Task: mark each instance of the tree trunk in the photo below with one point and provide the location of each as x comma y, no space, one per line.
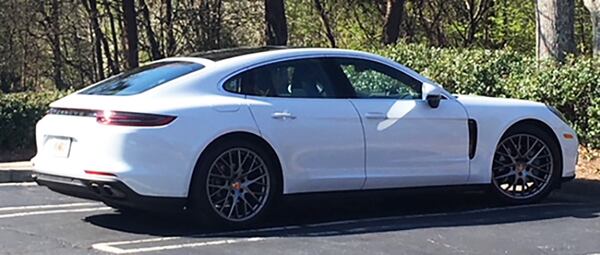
113,33
476,12
171,44
276,24
325,20
555,29
393,18
100,41
154,47
594,7
103,39
56,45
131,33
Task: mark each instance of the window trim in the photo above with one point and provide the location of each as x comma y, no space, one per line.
220,84
230,75
241,71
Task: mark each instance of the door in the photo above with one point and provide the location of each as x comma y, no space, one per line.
408,143
317,136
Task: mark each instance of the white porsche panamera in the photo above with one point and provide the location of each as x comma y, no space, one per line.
225,133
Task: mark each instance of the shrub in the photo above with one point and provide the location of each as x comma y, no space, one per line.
19,113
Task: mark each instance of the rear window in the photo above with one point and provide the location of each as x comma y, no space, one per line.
142,78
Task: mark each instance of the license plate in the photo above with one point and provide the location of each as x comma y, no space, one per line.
58,146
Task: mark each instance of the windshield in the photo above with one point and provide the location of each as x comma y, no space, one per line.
142,78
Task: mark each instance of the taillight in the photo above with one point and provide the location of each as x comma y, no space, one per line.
132,119
72,112
99,173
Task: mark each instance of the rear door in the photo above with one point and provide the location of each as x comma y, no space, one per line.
317,135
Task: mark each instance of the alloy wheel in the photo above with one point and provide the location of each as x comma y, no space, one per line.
522,167
238,184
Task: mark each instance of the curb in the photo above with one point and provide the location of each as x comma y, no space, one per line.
18,171
15,176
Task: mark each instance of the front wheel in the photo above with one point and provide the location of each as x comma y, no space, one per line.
526,165
235,185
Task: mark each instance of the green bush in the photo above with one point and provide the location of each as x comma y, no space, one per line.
19,113
573,87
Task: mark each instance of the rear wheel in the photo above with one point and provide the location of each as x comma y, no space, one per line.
235,184
526,165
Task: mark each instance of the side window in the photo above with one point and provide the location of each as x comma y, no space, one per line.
234,85
375,80
305,78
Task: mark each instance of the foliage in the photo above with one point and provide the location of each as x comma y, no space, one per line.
44,44
18,114
369,82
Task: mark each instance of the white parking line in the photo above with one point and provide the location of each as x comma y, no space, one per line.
18,184
93,209
109,247
35,207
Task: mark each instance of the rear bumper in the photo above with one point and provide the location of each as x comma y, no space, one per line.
152,161
113,193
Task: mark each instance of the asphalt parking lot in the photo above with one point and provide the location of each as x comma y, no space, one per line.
34,220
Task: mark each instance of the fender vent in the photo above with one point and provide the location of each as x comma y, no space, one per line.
472,138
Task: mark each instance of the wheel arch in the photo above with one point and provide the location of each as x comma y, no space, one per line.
541,125
237,135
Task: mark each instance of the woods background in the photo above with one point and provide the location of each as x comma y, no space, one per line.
71,43
542,50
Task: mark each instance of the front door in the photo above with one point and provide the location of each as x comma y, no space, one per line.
408,143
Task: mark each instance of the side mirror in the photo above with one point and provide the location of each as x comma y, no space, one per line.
432,93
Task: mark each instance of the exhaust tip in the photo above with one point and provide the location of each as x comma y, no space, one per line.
107,190
95,188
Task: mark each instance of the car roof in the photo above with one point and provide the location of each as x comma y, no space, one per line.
221,54
238,58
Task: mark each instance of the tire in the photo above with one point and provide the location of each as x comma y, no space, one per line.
225,194
526,166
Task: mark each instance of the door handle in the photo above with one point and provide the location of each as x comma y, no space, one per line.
375,115
283,115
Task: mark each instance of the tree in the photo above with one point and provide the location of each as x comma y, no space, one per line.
51,25
131,33
154,47
276,24
555,29
393,18
171,44
594,7
326,23
100,40
470,14
113,33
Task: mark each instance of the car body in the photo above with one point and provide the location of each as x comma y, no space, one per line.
322,136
